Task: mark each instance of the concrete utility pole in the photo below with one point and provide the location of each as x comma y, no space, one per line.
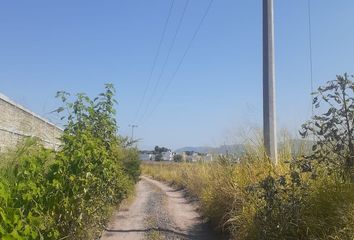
133,126
269,116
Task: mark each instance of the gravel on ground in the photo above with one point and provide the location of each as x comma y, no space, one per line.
158,212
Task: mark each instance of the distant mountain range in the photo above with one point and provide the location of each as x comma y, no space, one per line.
296,145
234,149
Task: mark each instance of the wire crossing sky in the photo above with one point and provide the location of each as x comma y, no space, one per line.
156,85
169,81
211,85
155,59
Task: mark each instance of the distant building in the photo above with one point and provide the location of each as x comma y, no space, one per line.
191,156
208,157
146,155
187,156
153,156
167,156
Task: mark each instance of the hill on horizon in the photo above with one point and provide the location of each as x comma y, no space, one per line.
234,149
297,145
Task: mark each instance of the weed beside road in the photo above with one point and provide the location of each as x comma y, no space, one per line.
68,194
256,200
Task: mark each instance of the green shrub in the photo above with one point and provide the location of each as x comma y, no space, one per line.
68,194
333,130
131,163
23,194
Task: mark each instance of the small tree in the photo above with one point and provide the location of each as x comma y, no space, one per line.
333,130
158,152
158,157
177,158
160,149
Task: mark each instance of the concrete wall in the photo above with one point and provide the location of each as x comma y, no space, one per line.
17,123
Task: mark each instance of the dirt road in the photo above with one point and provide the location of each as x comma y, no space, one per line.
158,212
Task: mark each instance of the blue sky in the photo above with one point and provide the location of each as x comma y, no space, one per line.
78,46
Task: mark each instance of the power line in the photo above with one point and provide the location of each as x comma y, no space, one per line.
310,49
155,59
167,58
183,56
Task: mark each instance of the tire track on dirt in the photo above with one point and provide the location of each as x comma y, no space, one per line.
158,212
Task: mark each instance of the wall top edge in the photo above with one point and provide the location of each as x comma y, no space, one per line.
11,102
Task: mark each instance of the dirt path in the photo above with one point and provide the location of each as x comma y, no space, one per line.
158,212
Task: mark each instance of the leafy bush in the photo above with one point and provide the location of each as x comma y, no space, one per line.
178,158
314,198
68,194
333,131
23,195
131,163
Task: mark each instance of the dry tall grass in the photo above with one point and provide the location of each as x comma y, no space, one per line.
230,197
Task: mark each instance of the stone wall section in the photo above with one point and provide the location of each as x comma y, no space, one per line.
17,123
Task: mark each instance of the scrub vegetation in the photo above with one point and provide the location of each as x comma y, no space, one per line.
305,196
69,193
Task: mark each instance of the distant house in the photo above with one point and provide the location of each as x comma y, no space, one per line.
159,154
187,156
167,156
208,157
146,155
191,156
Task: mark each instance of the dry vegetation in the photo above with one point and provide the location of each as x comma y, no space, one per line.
308,195
249,201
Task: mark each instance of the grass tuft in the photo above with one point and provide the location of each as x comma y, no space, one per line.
247,200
